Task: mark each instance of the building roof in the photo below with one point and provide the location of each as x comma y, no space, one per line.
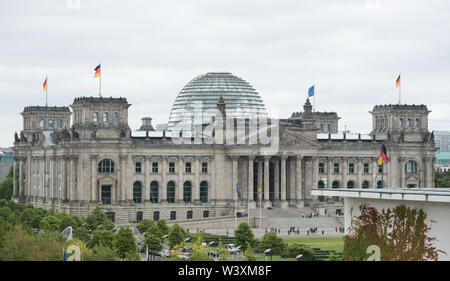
198,99
443,156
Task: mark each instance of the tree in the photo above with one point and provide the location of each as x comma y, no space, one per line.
97,219
144,225
442,179
274,243
294,250
176,235
249,253
244,236
101,237
222,252
124,242
163,227
400,233
102,253
6,187
198,252
50,224
153,242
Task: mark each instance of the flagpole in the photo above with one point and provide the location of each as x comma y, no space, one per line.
46,91
400,89
100,81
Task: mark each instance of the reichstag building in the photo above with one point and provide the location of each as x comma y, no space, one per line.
218,135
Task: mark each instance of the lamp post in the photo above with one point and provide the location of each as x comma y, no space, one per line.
267,252
299,257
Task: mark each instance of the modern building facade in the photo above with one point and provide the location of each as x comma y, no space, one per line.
442,139
99,161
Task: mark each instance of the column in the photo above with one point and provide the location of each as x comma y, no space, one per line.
344,170
359,170
179,192
123,182
266,182
260,174
94,192
15,177
298,182
196,195
250,182
329,172
402,172
163,184
21,185
235,176
284,203
375,173
276,180
128,184
146,188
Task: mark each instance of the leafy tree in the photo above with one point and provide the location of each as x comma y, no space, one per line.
400,233
198,252
274,243
294,250
65,221
222,252
442,179
153,242
50,224
102,253
244,236
5,212
101,237
98,220
163,227
144,225
176,235
132,256
124,242
249,253
6,187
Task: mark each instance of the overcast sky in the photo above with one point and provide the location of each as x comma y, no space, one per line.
352,51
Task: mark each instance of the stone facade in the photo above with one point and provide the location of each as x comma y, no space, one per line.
100,162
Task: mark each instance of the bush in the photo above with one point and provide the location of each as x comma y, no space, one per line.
102,253
294,250
272,241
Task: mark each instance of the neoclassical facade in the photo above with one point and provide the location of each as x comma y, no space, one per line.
74,160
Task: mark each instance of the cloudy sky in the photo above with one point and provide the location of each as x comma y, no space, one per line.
351,50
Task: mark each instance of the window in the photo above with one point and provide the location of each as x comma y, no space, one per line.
173,215
366,168
336,167
50,123
138,167
106,194
351,168
105,117
380,169
188,167
171,167
187,192
111,216
59,124
115,117
401,122
321,127
409,123
417,123
321,184
379,184
170,192
137,192
155,167
350,184
106,166
329,128
321,168
41,124
204,167
156,216
154,192
189,215
139,216
95,117
206,214
204,191
411,167
365,184
335,184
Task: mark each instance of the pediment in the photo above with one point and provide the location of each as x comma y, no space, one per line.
295,138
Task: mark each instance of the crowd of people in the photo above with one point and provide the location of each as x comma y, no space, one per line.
310,215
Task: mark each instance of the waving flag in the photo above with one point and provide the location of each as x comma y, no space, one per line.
383,158
64,255
45,84
259,193
397,82
311,91
97,71
238,191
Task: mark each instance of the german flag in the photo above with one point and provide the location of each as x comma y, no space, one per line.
397,83
383,158
97,71
45,84
259,193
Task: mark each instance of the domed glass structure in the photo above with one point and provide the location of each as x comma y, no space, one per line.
197,101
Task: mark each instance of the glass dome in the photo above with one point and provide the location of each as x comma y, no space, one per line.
197,101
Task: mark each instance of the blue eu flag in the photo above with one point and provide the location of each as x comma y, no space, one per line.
238,191
311,91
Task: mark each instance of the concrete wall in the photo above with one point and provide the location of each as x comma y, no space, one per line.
436,211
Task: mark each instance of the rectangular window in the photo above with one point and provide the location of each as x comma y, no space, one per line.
189,215
139,216
380,169
173,215
206,214
188,167
321,168
106,194
351,168
366,168
171,167
336,167
155,167
138,168
204,167
156,216
111,216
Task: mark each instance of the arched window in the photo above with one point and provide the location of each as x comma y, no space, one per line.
409,123
170,192
59,124
137,192
321,184
50,123
365,184
115,117
411,167
95,117
350,184
335,184
329,128
187,191
106,166
417,123
41,123
105,117
401,122
204,191
154,192
379,184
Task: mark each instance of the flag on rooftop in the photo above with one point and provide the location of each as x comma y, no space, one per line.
311,91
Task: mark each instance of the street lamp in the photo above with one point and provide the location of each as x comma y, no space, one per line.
299,257
267,252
